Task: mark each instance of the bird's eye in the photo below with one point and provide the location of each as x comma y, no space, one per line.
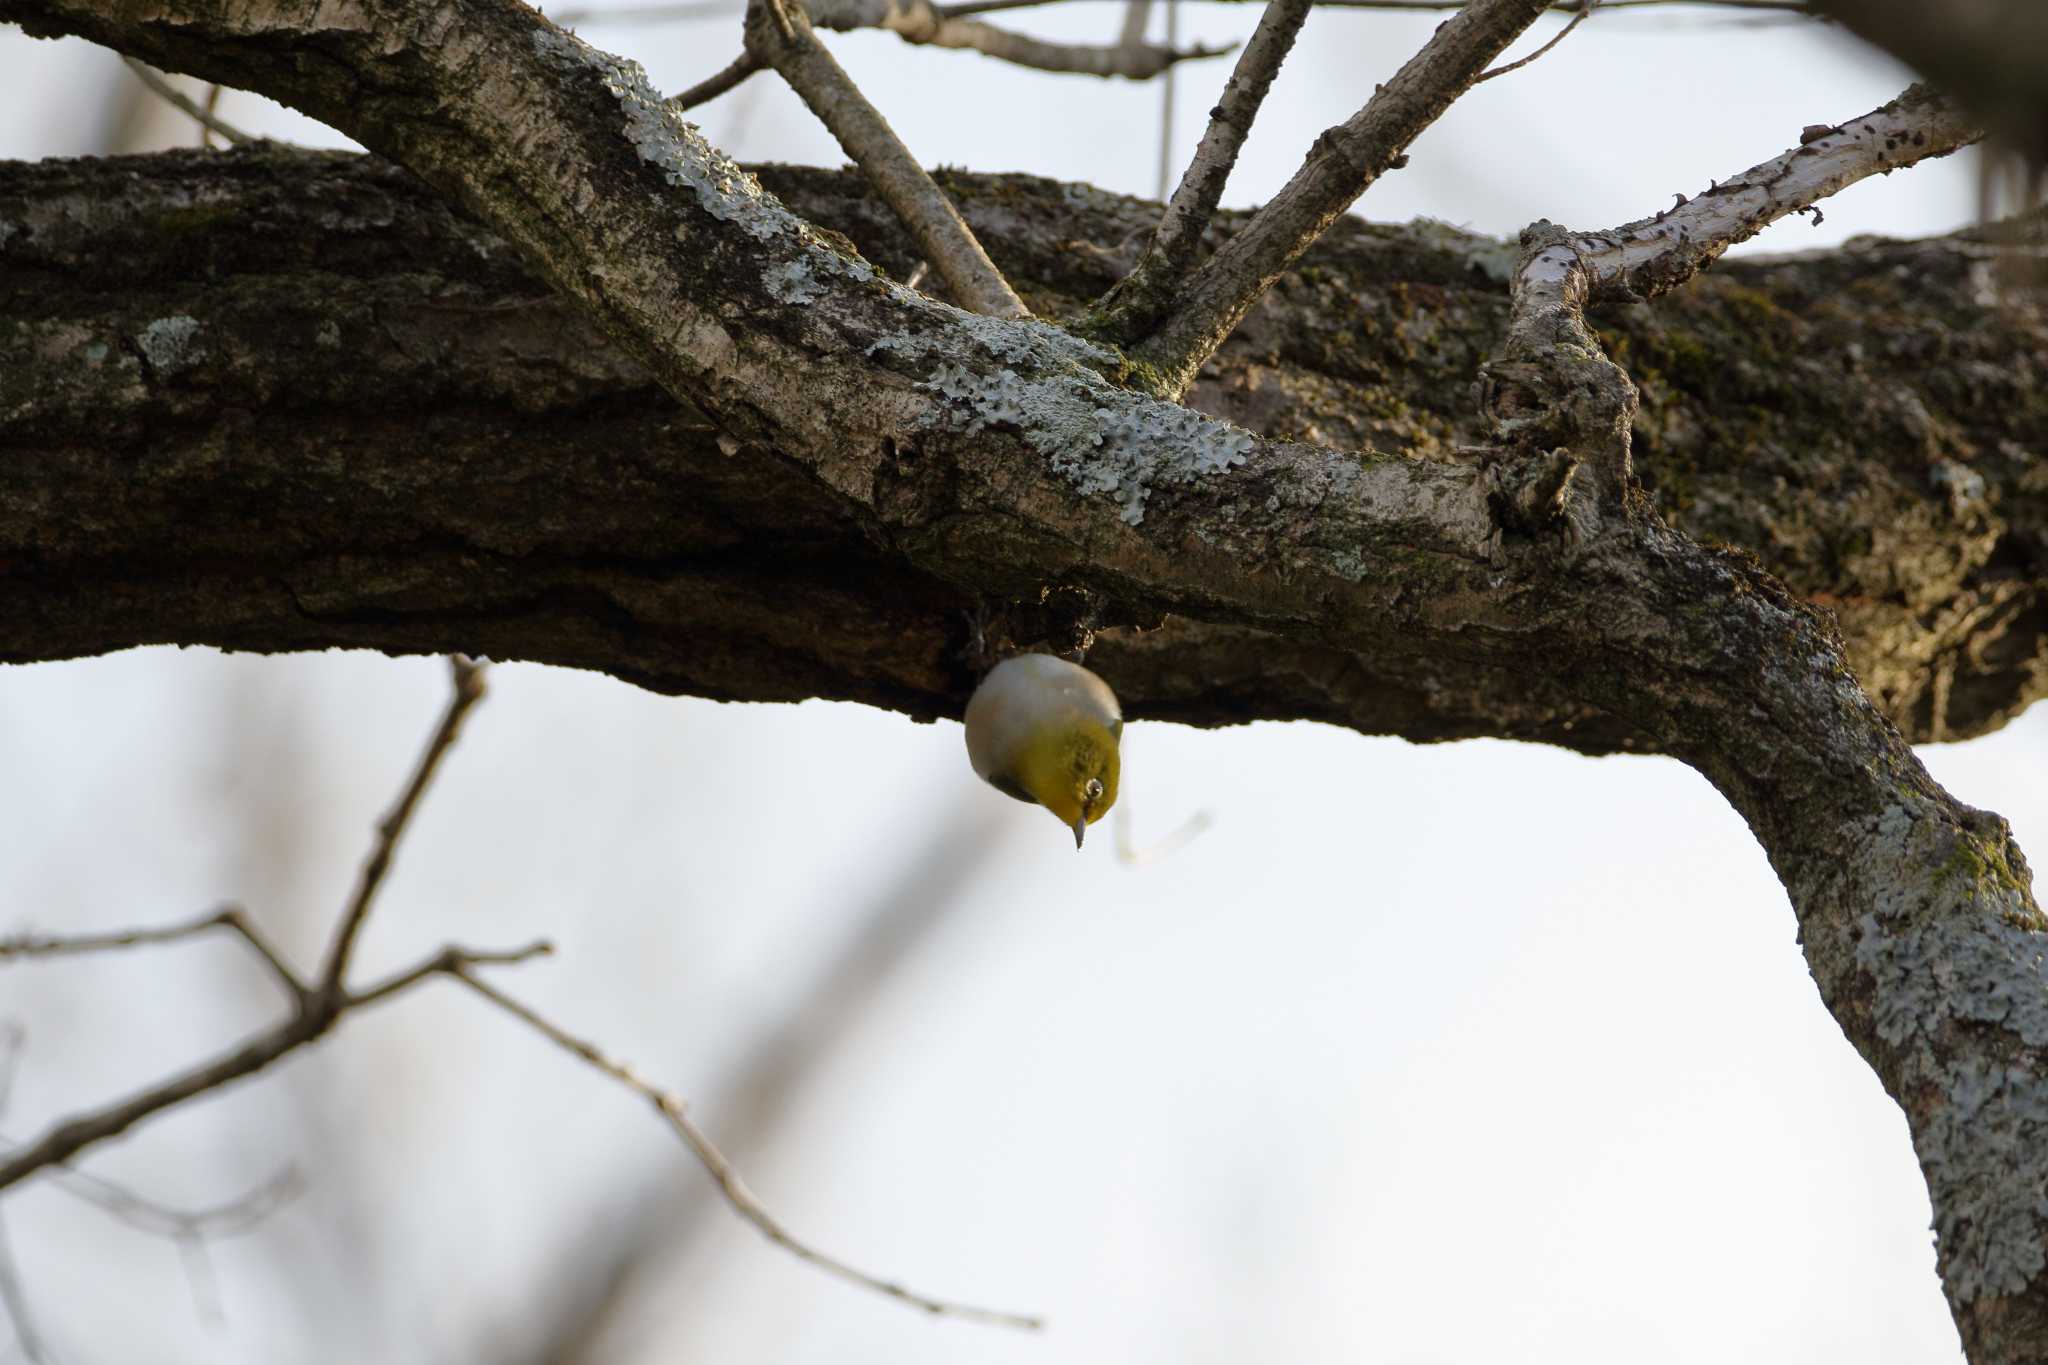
1093,790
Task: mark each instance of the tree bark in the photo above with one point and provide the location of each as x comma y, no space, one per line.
379,430
994,459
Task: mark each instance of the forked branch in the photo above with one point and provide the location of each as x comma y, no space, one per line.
1561,273
316,1010
1136,302
1344,161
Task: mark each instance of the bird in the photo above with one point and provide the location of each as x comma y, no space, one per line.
1046,731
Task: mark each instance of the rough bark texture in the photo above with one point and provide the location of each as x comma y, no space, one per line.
378,429
996,458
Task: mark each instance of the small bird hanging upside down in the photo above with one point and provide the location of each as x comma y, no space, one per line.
1041,729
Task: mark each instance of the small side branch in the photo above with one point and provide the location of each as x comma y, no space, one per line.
920,22
315,1009
1654,255
1785,7
230,917
1550,385
711,87
176,98
1137,300
1343,162
779,34
1586,8
734,1190
468,679
57,1146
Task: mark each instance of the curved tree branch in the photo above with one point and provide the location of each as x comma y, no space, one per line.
942,436
446,455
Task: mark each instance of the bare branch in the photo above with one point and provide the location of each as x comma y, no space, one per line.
646,14
1144,293
920,22
742,1199
1343,162
231,917
711,87
315,1010
12,1037
176,98
1560,273
1653,255
73,1135
448,962
1586,8
468,679
228,1219
779,33
15,1300
1790,7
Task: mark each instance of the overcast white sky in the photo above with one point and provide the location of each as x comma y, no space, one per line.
1450,1054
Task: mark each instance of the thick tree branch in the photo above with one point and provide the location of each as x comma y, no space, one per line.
1340,167
942,434
448,455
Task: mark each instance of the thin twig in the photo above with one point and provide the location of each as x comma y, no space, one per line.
230,1219
1166,101
15,1300
1585,8
315,1010
468,680
1138,299
206,134
742,1200
12,1037
230,917
779,33
1343,162
176,98
645,14
318,1016
711,87
919,22
188,1230
1798,7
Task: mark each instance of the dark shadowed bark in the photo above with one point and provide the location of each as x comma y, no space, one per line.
363,422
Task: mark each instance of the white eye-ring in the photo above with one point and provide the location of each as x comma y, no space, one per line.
1093,789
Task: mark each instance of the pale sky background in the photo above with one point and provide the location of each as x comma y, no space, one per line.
1452,1054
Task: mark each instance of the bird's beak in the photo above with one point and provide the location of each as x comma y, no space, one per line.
1080,828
